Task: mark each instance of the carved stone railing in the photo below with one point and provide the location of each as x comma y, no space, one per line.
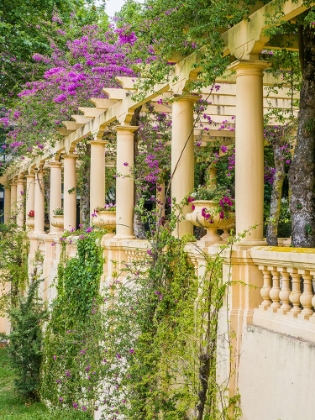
288,291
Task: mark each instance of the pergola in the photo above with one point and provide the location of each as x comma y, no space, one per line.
242,95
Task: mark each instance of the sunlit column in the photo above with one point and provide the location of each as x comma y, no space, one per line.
55,190
125,181
182,168
30,198
97,175
7,204
69,192
13,202
20,217
39,202
249,150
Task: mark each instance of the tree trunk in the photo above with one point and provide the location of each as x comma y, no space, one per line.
302,174
276,194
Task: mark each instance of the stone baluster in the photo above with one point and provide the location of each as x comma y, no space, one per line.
275,290
265,290
20,202
69,192
285,291
296,291
7,204
307,295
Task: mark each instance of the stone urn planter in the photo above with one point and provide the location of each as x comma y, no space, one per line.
58,221
105,219
207,214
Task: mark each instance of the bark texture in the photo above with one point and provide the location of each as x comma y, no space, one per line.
276,194
302,171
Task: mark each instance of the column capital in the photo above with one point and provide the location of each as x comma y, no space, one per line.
126,128
70,156
54,164
190,97
249,67
30,175
98,142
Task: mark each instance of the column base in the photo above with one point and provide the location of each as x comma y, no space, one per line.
120,237
248,244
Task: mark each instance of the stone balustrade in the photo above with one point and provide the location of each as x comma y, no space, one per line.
288,297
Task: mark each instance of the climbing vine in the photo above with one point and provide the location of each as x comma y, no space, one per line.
72,348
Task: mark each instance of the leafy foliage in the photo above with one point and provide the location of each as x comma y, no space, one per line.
25,340
73,347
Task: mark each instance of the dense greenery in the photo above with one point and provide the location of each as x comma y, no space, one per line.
73,344
27,28
25,341
13,407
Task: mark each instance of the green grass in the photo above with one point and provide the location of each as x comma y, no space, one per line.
12,407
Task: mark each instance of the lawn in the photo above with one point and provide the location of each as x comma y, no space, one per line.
14,408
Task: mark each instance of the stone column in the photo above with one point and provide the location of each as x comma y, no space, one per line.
55,190
125,182
20,202
69,192
7,204
97,175
30,192
30,198
39,202
13,202
182,147
249,151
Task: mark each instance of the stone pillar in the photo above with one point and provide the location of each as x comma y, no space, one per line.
97,175
7,204
249,151
30,192
55,191
39,202
13,202
30,198
125,182
20,202
69,192
182,147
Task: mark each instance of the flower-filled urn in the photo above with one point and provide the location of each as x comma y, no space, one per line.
213,212
105,218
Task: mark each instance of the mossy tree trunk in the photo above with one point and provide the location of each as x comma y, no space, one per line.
276,194
302,171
